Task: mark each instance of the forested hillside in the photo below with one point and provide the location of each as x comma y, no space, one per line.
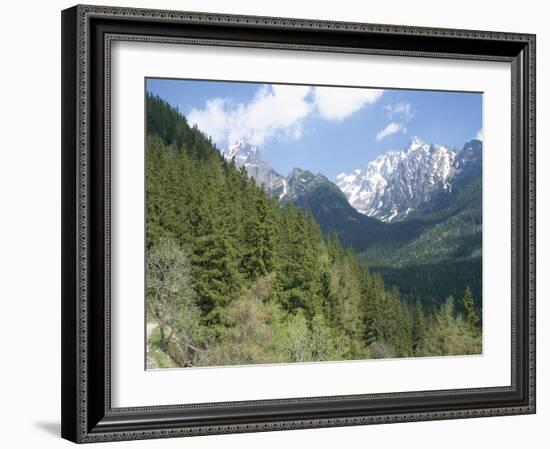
234,277
444,256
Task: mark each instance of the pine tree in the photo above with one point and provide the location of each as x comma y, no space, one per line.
468,303
259,239
418,329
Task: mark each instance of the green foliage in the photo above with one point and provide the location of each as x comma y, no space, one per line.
434,255
472,318
431,255
161,358
450,335
234,277
248,336
433,283
171,300
419,328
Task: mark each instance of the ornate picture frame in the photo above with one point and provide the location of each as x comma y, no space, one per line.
88,33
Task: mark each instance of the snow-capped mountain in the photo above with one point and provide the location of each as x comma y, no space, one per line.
248,156
398,183
394,186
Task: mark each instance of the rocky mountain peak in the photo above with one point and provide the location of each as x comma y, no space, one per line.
242,152
248,156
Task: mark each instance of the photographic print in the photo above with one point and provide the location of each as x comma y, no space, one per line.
296,223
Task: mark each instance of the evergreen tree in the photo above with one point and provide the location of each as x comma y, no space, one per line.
259,238
468,303
418,329
450,334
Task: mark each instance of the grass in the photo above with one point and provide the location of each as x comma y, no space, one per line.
162,359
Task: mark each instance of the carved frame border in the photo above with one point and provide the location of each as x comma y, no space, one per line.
76,424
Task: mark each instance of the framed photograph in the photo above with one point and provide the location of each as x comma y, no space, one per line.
276,224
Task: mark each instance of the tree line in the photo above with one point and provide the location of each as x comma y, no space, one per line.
234,277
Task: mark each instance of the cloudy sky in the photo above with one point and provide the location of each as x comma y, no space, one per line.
323,129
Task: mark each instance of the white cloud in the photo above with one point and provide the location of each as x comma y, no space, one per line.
399,114
479,135
213,119
401,110
392,128
274,111
337,103
278,111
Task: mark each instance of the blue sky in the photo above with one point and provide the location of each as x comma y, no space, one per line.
326,130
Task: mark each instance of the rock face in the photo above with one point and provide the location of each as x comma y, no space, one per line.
248,156
398,183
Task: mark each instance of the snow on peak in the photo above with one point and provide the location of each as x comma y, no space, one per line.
241,149
415,143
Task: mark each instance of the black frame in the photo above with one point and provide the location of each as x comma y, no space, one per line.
87,32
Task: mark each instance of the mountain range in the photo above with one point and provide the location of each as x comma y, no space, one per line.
398,183
396,186
414,214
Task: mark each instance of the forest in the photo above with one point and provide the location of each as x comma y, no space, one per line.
235,278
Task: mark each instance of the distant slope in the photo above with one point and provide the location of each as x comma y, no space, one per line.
332,211
446,254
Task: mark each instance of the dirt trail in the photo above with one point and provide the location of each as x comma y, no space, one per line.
151,363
